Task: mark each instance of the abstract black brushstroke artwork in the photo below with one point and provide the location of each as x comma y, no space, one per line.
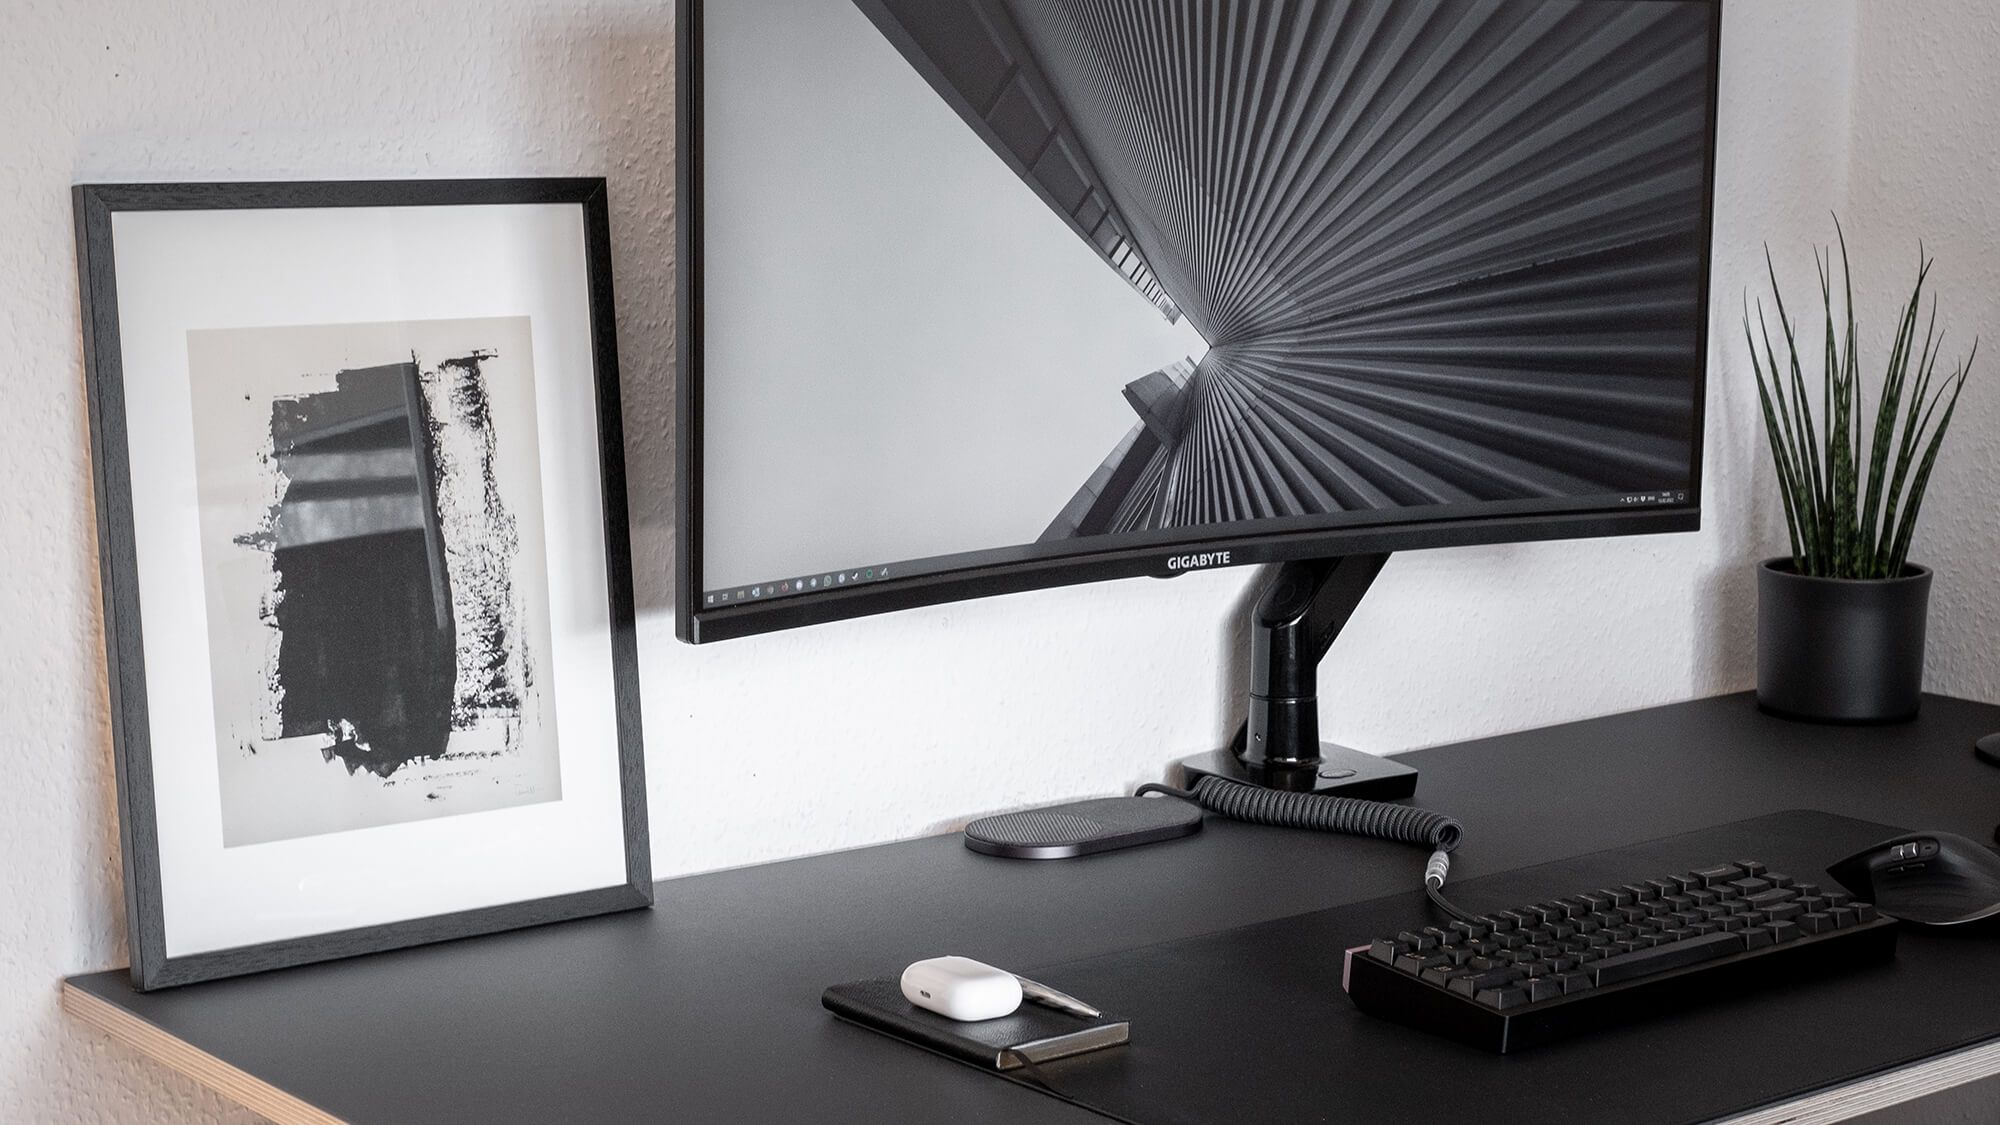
377,614
1440,251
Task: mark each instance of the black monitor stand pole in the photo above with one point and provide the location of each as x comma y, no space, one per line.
1296,620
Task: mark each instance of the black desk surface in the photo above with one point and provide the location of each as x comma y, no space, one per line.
707,1008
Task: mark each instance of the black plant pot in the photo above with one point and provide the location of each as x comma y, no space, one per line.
1840,650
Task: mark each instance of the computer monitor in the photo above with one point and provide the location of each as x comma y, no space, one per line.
978,296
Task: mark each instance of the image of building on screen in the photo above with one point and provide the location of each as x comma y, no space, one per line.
1440,251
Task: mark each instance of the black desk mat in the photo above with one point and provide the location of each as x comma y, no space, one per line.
1251,1024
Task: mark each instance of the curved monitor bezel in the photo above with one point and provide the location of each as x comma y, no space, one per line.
696,623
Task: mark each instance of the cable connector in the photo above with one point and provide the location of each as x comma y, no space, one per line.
1439,866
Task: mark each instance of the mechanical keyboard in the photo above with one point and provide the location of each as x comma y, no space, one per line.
1515,978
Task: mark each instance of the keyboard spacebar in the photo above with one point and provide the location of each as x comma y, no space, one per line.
1660,958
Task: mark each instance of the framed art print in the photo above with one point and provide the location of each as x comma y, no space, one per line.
364,556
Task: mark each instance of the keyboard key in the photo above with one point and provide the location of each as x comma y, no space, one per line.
1865,911
1659,959
1640,891
1415,963
1543,988
1723,874
1575,982
1442,975
1784,912
1751,886
1757,937
1384,950
1816,923
1784,931
1512,997
1473,983
1764,900
1410,940
1778,880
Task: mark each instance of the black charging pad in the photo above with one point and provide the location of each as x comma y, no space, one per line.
1065,831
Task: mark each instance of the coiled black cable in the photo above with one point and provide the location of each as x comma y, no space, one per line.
1321,812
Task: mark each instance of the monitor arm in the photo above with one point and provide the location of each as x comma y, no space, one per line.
1298,615
1296,620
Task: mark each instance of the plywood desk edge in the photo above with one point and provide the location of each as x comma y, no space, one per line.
1893,1087
178,1055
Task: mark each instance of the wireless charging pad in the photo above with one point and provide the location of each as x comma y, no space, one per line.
1066,831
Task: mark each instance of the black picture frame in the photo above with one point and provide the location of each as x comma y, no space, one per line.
95,204
1146,554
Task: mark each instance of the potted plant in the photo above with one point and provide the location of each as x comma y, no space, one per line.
1840,623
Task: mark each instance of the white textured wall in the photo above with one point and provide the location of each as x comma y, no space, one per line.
835,736
1926,169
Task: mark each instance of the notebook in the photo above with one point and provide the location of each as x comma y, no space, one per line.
1032,1034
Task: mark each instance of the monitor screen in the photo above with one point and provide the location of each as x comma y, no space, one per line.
988,289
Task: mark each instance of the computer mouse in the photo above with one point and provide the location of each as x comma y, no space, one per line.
1930,878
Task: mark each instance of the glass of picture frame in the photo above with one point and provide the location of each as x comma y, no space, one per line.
365,566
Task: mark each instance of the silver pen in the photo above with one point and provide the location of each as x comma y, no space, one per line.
1062,1002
